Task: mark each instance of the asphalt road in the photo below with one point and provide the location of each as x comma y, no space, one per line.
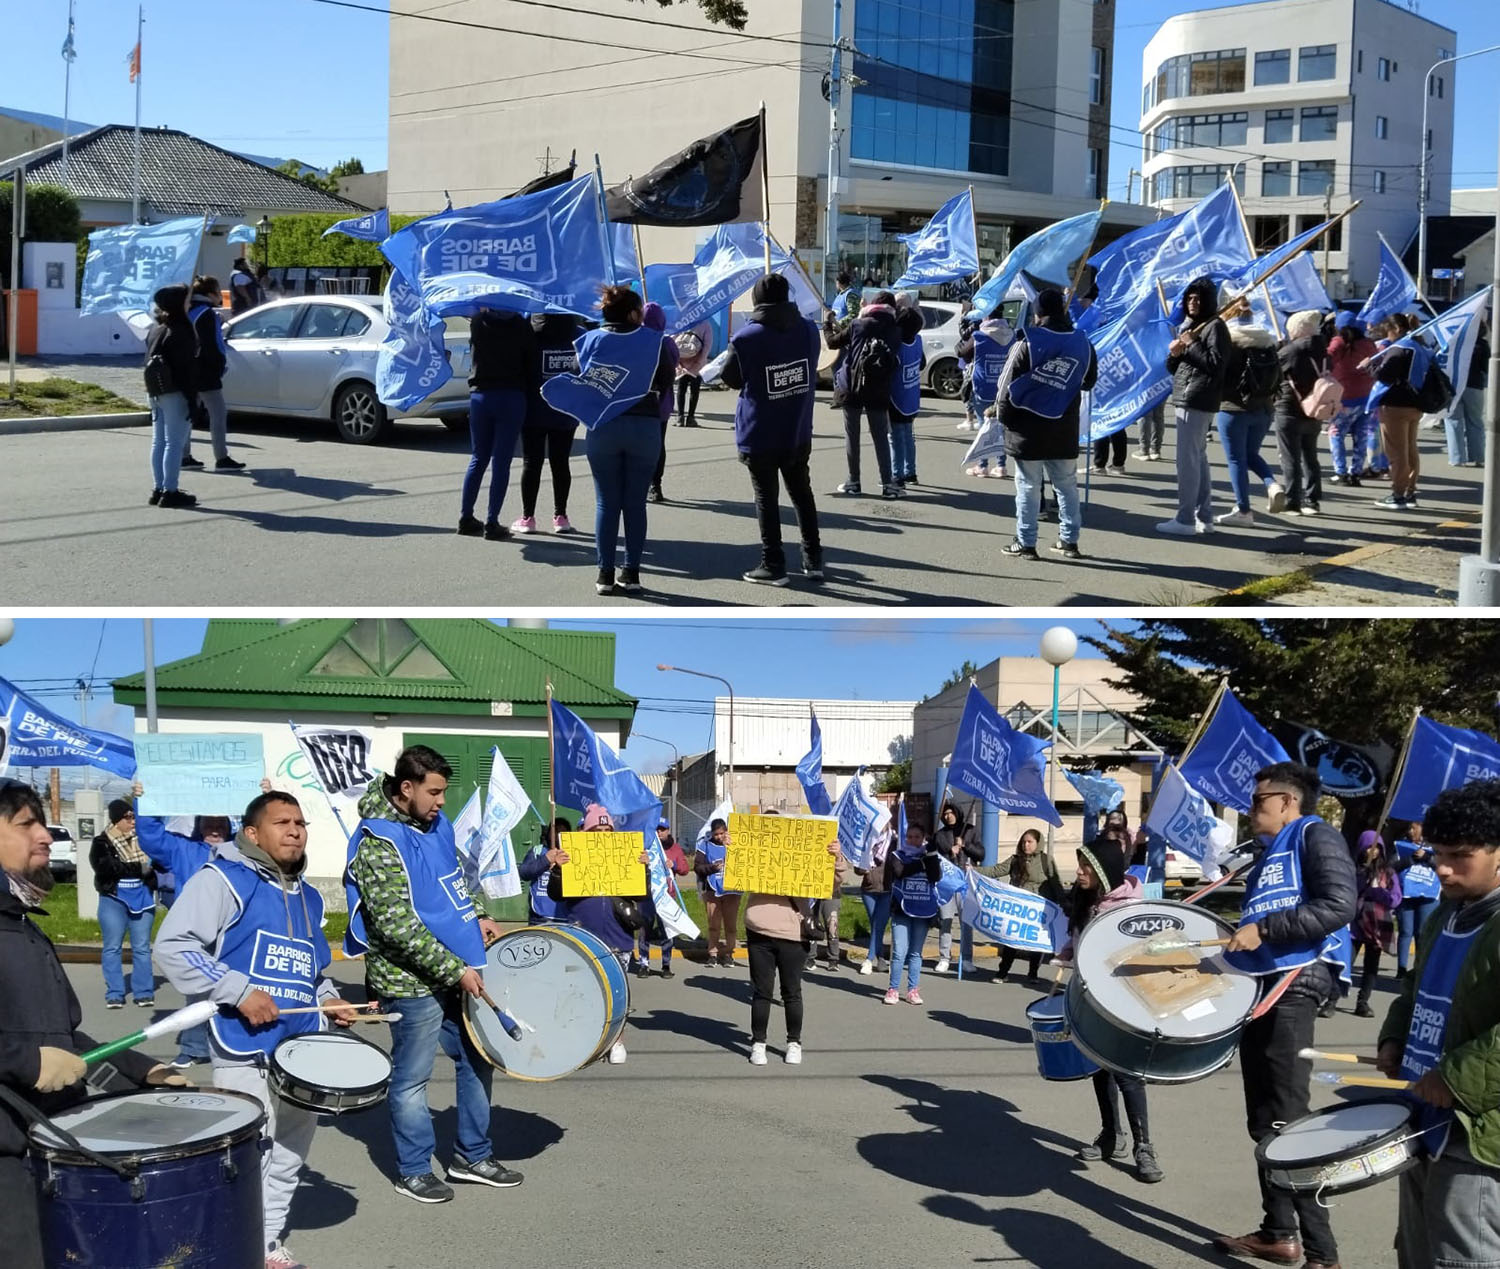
912,1136
316,522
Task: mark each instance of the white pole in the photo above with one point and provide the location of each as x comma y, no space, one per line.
140,74
17,197
67,90
1422,180
831,215
148,636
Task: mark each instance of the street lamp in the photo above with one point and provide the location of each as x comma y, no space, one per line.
7,630
1059,646
730,686
263,228
1422,182
676,767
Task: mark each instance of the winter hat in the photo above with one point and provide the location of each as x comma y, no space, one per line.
1370,838
1107,858
119,809
1304,324
654,316
1051,303
170,300
595,816
771,288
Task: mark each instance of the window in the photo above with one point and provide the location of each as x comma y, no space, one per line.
1333,239
1275,179
1440,87
1199,130
1314,177
1316,61
1382,128
1196,75
1267,232
266,323
1383,68
1096,165
1274,67
1096,77
1429,140
1359,62
1196,181
1377,182
323,321
1278,126
1320,123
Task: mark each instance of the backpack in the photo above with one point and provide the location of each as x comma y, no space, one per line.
1436,393
158,376
1260,370
1324,399
872,371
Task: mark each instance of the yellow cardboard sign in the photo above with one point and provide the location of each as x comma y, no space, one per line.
603,863
780,854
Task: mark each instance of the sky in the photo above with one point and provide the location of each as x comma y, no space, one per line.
870,659
307,80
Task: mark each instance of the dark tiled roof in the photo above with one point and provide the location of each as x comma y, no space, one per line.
180,175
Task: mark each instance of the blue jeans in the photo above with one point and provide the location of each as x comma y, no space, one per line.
1241,434
907,936
1353,439
193,1042
425,1023
1409,918
903,450
878,909
495,418
1464,425
115,922
170,427
1062,474
622,455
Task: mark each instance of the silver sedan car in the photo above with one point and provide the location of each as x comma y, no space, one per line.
314,357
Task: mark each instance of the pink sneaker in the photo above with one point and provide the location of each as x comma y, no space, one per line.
892,996
914,997
523,524
560,524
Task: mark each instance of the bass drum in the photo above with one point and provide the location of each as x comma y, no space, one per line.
565,988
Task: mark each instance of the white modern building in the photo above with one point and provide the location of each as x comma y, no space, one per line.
1009,96
1307,107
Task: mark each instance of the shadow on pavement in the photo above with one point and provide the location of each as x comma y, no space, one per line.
517,1134
326,487
300,522
730,1037
989,1028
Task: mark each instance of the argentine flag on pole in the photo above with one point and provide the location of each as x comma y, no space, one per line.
1394,291
1048,254
944,250
372,227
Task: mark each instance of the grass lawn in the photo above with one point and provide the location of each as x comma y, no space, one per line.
54,397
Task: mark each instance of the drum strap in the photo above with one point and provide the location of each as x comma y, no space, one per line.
126,1170
1276,993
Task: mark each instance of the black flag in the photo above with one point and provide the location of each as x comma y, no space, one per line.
715,181
1346,770
560,177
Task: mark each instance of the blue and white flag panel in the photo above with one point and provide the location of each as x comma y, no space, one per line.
373,226
467,826
412,362
862,819
1099,793
241,233
1457,332
505,806
675,920
810,774
540,252
1441,757
723,269
585,770
1298,287
1232,748
1048,255
705,830
998,764
1257,270
1394,290
1132,376
1013,917
1182,817
127,265
33,736
943,250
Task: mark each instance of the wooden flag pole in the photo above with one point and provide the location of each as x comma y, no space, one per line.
765,188
1390,793
974,222
605,239
1083,260
640,259
552,762
1207,718
1265,291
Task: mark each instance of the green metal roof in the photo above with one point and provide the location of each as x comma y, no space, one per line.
394,665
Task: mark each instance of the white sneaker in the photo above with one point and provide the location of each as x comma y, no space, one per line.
940,968
867,968
1235,517
793,1053
1275,499
1176,528
617,1053
757,1055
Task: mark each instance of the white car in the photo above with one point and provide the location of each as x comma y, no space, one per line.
314,357
943,375
64,861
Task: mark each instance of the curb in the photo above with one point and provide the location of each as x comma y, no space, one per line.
72,423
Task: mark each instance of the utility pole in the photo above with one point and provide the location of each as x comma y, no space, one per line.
1130,185
1327,213
831,212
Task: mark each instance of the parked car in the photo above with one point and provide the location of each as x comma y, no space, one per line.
64,853
944,376
1181,870
314,357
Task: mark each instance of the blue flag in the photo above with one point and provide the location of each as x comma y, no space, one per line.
585,770
810,773
1132,368
1299,288
627,265
861,821
540,252
127,265
412,362
1232,748
995,762
1182,817
1253,273
723,269
1394,290
1099,793
944,250
1047,255
1416,373
1456,333
615,370
1441,757
241,233
33,736
373,226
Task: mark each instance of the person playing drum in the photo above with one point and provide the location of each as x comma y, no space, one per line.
422,935
1102,884
247,932
1442,1031
39,1019
1294,936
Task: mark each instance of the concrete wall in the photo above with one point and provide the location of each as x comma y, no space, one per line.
19,137
367,188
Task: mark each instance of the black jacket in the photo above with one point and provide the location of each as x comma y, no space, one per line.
502,347
968,843
1198,374
1395,370
38,1008
211,359
1032,437
1302,360
1329,893
1479,367
879,323
109,868
177,344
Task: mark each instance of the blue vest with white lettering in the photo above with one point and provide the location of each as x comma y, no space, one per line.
135,894
434,879
1419,881
1429,1025
906,392
542,907
616,369
1059,361
989,366
278,944
779,368
197,311
555,356
715,853
912,891
1275,884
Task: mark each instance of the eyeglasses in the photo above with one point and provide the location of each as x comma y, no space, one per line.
1257,798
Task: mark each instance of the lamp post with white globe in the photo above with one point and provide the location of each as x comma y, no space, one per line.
7,629
1059,646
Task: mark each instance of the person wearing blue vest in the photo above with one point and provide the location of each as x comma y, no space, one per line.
422,936
1420,891
906,392
126,883
722,906
536,870
247,932
1441,1031
1049,369
839,305
213,361
912,870
986,345
773,361
1294,936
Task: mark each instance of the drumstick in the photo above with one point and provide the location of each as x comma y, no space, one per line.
1057,982
181,1020
512,1027
1362,1081
1163,944
326,1008
1322,1055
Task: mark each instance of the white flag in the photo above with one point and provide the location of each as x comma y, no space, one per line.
861,820
341,763
720,812
505,806
466,830
674,918
1185,819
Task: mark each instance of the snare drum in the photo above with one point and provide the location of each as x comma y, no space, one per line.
329,1072
192,1199
566,989
1165,1025
1057,1057
1343,1149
